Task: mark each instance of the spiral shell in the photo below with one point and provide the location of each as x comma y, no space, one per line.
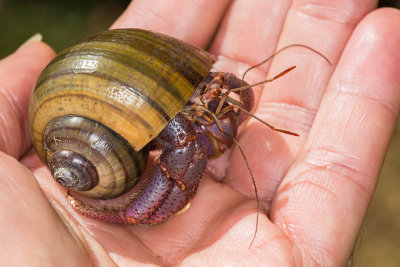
86,156
129,80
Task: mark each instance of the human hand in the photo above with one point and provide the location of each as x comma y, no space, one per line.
315,187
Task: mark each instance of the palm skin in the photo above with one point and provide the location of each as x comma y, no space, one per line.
314,188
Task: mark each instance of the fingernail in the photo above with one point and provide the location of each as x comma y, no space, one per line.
37,37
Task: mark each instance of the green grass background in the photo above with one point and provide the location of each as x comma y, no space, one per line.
64,22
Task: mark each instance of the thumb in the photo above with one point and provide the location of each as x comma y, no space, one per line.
30,229
18,74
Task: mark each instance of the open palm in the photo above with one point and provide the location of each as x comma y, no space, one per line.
314,189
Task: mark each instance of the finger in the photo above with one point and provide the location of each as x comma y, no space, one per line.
30,229
323,199
290,102
18,74
248,34
326,27
190,21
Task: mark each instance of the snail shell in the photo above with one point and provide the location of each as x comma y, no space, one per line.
98,104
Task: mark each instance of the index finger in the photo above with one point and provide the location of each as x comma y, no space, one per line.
191,21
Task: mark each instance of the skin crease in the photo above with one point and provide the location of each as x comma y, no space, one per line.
315,188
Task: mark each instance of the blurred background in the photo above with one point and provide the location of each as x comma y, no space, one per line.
64,22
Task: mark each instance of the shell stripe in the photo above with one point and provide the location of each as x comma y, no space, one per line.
130,59
145,42
132,64
162,113
128,116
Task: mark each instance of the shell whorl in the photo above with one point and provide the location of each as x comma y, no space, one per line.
73,171
78,151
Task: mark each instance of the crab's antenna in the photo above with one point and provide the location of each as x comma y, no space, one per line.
273,128
254,186
216,120
265,81
282,49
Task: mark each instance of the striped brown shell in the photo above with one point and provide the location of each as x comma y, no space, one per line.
129,80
